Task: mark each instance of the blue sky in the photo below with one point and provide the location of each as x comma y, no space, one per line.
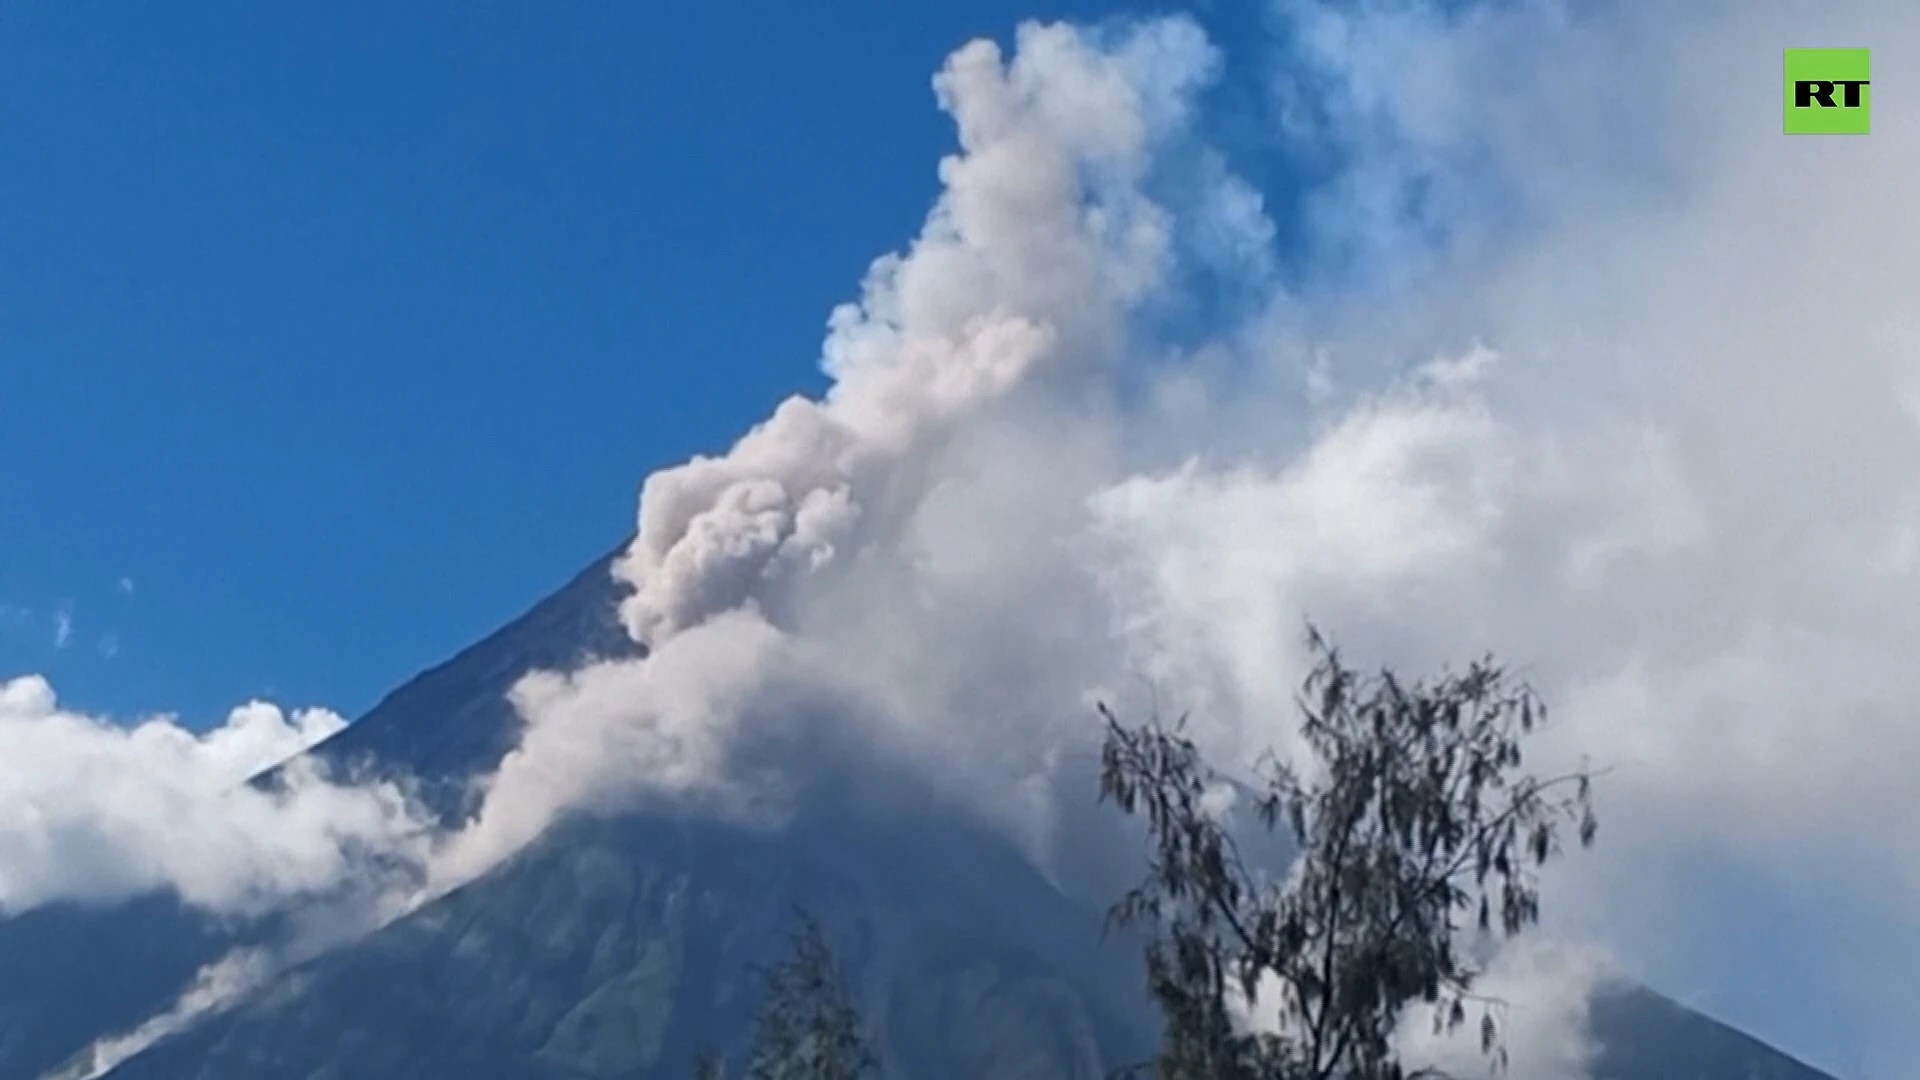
343,332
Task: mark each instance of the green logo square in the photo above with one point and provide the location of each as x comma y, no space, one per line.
1827,92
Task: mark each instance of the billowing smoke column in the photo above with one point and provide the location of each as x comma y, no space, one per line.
1037,247
775,585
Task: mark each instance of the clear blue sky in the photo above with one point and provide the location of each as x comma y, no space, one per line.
343,332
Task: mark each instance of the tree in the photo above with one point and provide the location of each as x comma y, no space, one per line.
807,1028
1412,824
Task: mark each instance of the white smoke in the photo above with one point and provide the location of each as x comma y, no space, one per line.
1537,992
1040,240
215,988
847,549
1678,488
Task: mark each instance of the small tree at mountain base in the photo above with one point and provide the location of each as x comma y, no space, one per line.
807,1028
1413,824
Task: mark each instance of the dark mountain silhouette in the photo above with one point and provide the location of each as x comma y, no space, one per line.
619,947
452,722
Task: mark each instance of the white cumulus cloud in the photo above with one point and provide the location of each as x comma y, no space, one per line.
97,810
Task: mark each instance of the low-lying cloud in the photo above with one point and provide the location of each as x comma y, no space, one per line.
100,811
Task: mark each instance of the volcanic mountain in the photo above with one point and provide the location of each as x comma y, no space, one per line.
622,946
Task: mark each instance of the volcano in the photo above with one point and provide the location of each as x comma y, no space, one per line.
623,946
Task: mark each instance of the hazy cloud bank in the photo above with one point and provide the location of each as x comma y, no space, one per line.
97,810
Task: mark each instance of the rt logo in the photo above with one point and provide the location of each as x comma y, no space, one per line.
1826,92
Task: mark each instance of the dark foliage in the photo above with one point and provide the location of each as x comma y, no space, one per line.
808,1028
1413,825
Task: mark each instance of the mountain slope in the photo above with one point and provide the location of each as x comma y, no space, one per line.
452,722
619,947
1651,1037
70,973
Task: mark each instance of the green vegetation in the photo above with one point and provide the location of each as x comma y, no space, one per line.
1411,823
807,1028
